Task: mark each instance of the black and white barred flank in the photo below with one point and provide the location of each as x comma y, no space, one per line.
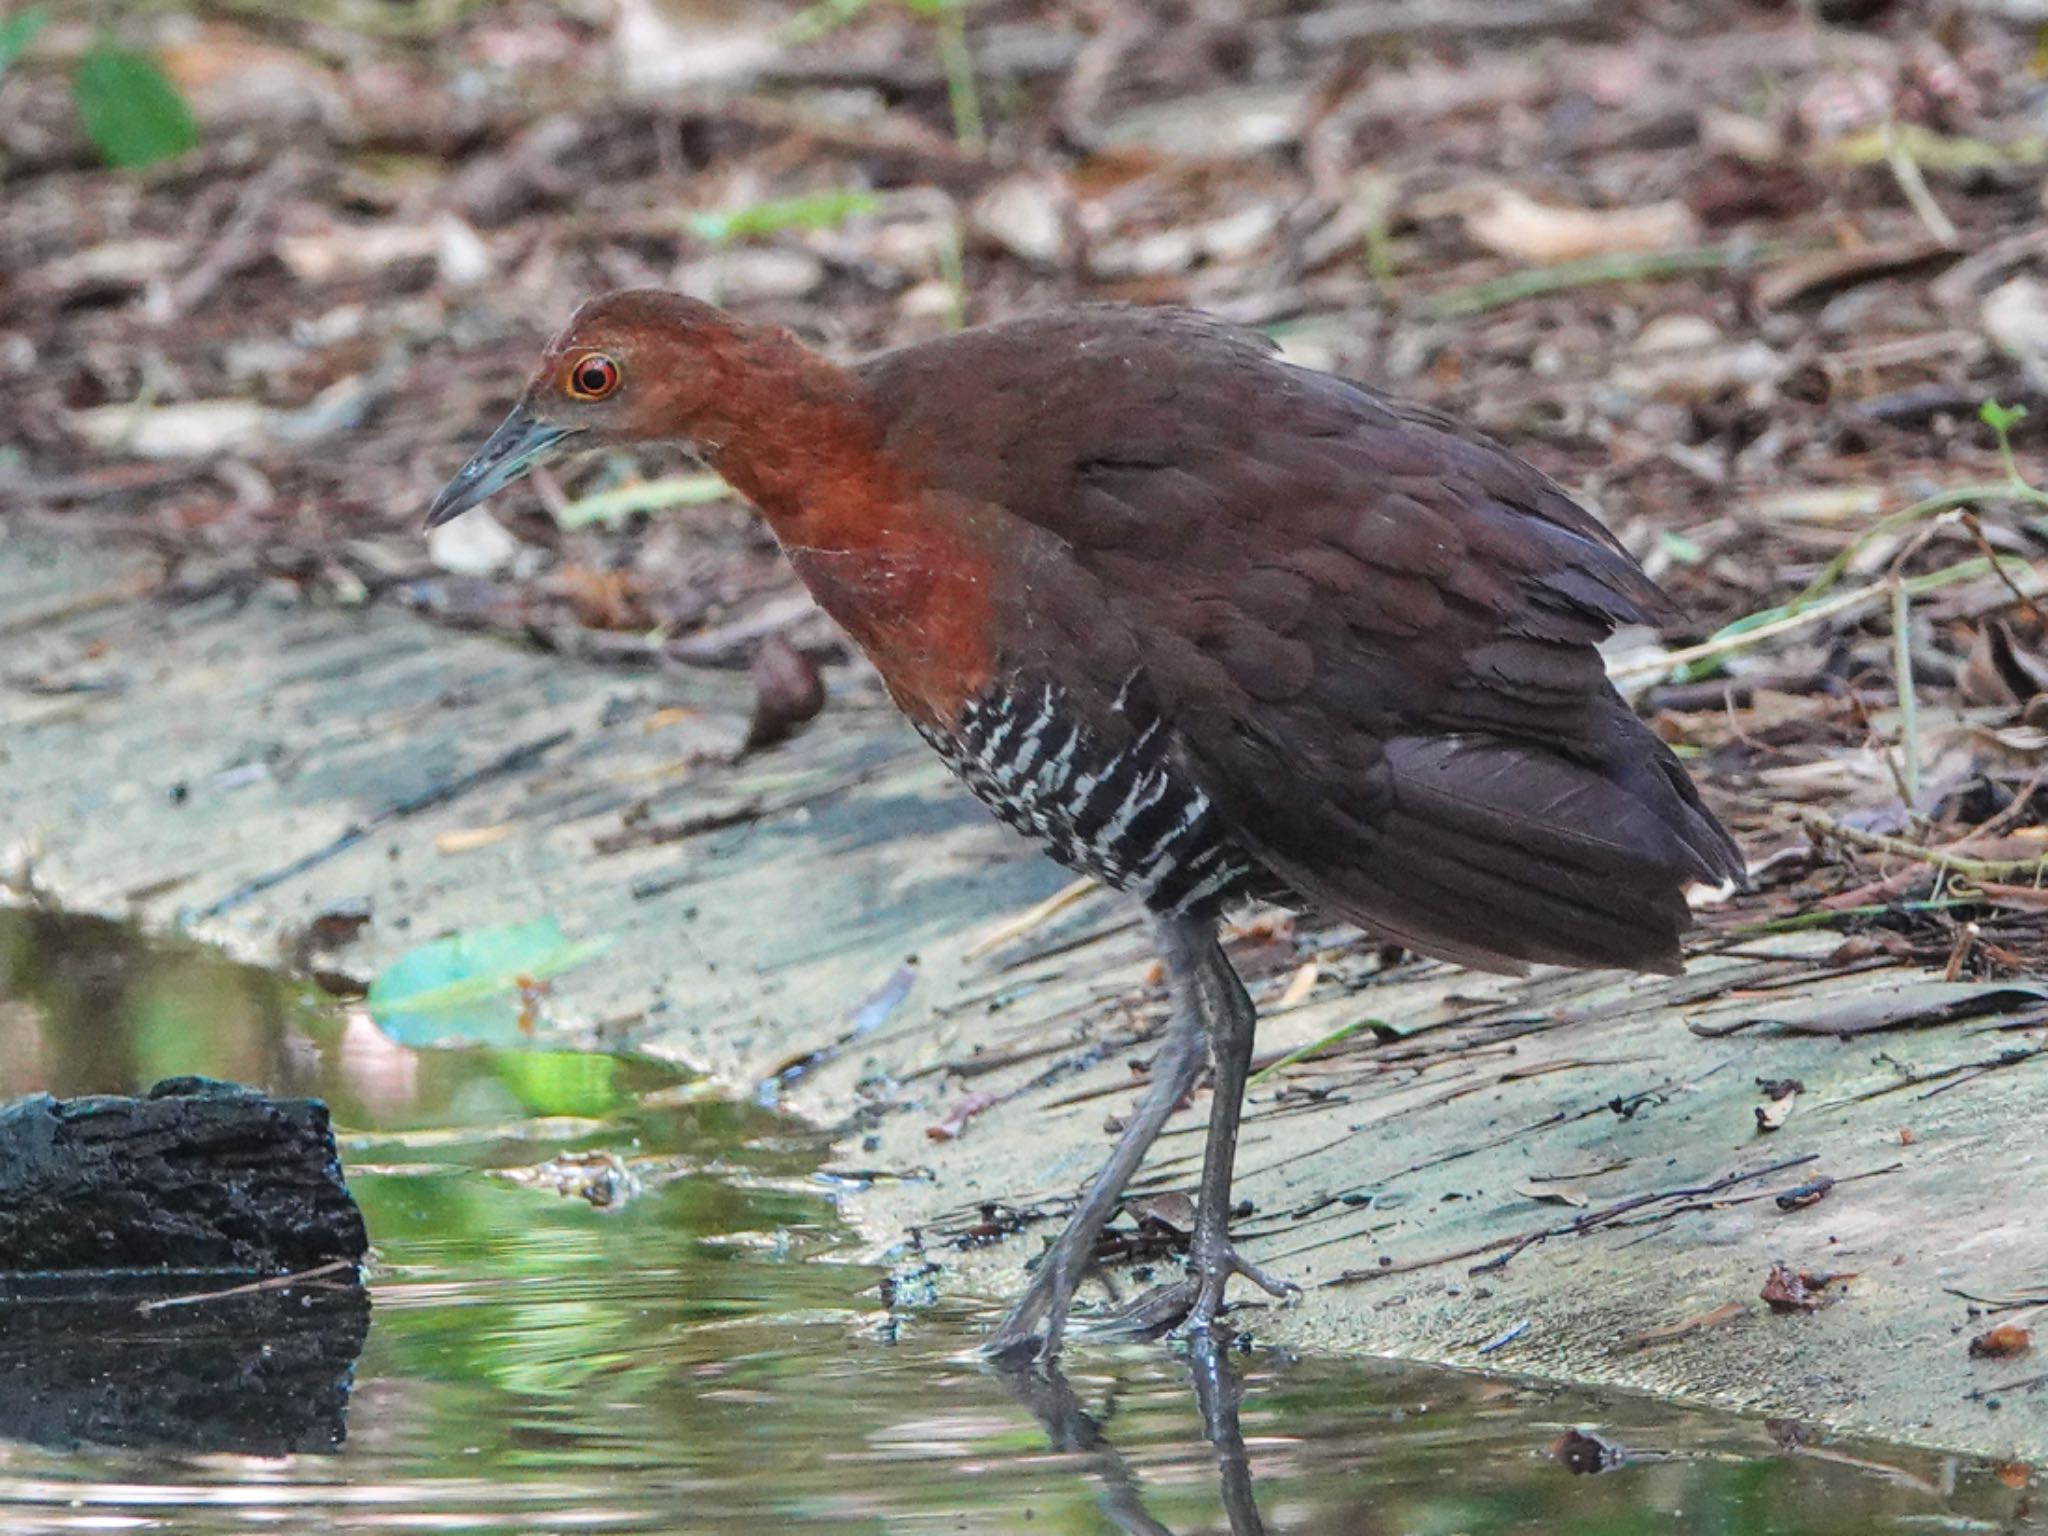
1126,817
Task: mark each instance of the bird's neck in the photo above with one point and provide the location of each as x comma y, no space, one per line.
900,569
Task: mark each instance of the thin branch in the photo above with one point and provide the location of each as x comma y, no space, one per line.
1745,633
1906,172
274,1283
1880,842
1909,700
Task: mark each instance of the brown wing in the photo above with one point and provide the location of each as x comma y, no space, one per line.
1373,631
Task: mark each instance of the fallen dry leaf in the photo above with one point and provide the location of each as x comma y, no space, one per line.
1791,1290
351,250
955,1124
1905,1005
1515,225
1586,1453
232,76
677,714
467,839
2000,671
1772,1114
1552,1194
1173,1211
2002,1342
192,429
2015,317
474,545
1812,1192
1668,1332
1022,215
603,599
788,693
1807,277
1299,985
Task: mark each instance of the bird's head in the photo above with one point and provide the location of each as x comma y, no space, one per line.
637,366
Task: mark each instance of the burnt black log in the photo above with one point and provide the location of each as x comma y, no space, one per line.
263,1373
143,1248
195,1177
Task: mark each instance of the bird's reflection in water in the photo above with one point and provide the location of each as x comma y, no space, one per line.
1072,1430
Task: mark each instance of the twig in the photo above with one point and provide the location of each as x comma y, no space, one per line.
1909,702
654,834
1316,1047
274,1283
1906,172
2024,599
755,808
1591,1221
1824,1185
1745,633
2024,1384
1827,917
1772,621
963,94
2016,1056
1996,1304
1670,1333
642,496
1614,267
1504,1339
1881,842
1032,919
514,761
246,238
70,608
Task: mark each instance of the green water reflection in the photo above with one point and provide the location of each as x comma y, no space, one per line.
703,1359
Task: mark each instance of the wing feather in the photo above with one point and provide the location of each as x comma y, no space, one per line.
1373,631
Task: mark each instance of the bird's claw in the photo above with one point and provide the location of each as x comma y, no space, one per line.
1193,1304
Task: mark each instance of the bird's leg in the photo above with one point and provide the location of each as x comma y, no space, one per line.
1199,971
1217,1390
1060,1273
1040,1387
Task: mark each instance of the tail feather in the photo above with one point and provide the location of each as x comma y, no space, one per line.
1497,854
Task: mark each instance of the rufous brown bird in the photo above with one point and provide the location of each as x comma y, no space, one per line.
1208,625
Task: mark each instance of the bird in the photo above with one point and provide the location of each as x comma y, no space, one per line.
1210,626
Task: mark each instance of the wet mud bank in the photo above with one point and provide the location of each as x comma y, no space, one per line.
1796,1180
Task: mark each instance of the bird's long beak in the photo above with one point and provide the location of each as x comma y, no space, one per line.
521,441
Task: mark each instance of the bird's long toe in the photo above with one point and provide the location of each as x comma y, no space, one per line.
1212,1266
1192,1304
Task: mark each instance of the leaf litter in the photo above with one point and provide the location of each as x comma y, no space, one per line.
1744,278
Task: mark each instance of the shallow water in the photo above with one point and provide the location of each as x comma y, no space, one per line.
702,1358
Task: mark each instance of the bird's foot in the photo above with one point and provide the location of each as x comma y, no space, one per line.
1193,1304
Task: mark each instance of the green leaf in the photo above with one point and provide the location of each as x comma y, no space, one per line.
2001,418
643,496
1336,1036
578,1085
814,21
131,111
18,31
466,987
821,210
1685,551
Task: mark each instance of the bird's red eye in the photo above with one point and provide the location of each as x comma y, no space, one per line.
593,376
